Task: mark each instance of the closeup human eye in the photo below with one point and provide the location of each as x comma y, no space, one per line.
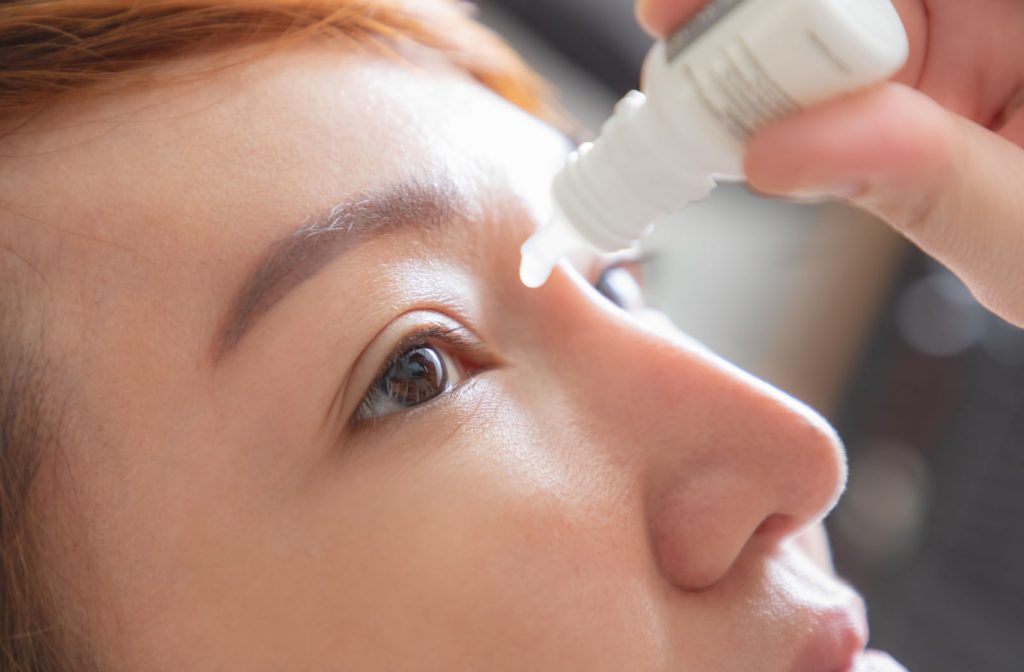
421,368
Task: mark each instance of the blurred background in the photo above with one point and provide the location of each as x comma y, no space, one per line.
924,385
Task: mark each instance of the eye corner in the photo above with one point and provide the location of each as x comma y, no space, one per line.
458,352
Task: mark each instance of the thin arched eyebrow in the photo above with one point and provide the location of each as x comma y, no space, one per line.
324,238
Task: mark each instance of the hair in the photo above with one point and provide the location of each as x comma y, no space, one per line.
56,51
26,642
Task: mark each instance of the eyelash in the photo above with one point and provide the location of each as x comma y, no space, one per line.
455,343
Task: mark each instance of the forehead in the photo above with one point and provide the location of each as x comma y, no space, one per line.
180,186
283,129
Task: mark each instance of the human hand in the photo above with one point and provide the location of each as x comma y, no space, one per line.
937,152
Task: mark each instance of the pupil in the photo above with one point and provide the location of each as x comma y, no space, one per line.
418,375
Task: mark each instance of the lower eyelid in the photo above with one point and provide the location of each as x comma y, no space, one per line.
413,412
454,345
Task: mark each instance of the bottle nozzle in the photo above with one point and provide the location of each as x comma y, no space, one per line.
544,248
535,267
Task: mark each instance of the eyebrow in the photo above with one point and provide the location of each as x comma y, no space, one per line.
323,238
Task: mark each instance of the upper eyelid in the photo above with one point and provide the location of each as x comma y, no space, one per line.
630,260
411,339
408,343
448,343
451,331
640,260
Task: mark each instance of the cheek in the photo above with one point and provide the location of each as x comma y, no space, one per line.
488,548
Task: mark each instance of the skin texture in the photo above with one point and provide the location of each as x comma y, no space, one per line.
603,493
936,153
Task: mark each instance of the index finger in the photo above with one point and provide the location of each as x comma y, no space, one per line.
662,17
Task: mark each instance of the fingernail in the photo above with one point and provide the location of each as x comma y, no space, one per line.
809,197
843,192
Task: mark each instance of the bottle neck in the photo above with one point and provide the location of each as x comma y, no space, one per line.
637,171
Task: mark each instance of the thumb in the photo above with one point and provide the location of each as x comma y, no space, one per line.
951,186
661,17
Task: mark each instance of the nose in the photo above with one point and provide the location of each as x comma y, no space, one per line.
727,464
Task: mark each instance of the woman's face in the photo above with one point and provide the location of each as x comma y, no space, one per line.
316,423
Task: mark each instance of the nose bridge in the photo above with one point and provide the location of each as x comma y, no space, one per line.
727,462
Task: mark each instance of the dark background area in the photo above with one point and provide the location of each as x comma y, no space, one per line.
932,527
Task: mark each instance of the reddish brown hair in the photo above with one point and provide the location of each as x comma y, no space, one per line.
56,51
52,48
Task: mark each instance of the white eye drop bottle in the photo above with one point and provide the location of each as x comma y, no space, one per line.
738,65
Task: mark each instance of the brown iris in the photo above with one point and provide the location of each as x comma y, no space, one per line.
417,375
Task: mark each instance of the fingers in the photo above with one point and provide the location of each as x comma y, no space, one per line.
661,17
951,186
